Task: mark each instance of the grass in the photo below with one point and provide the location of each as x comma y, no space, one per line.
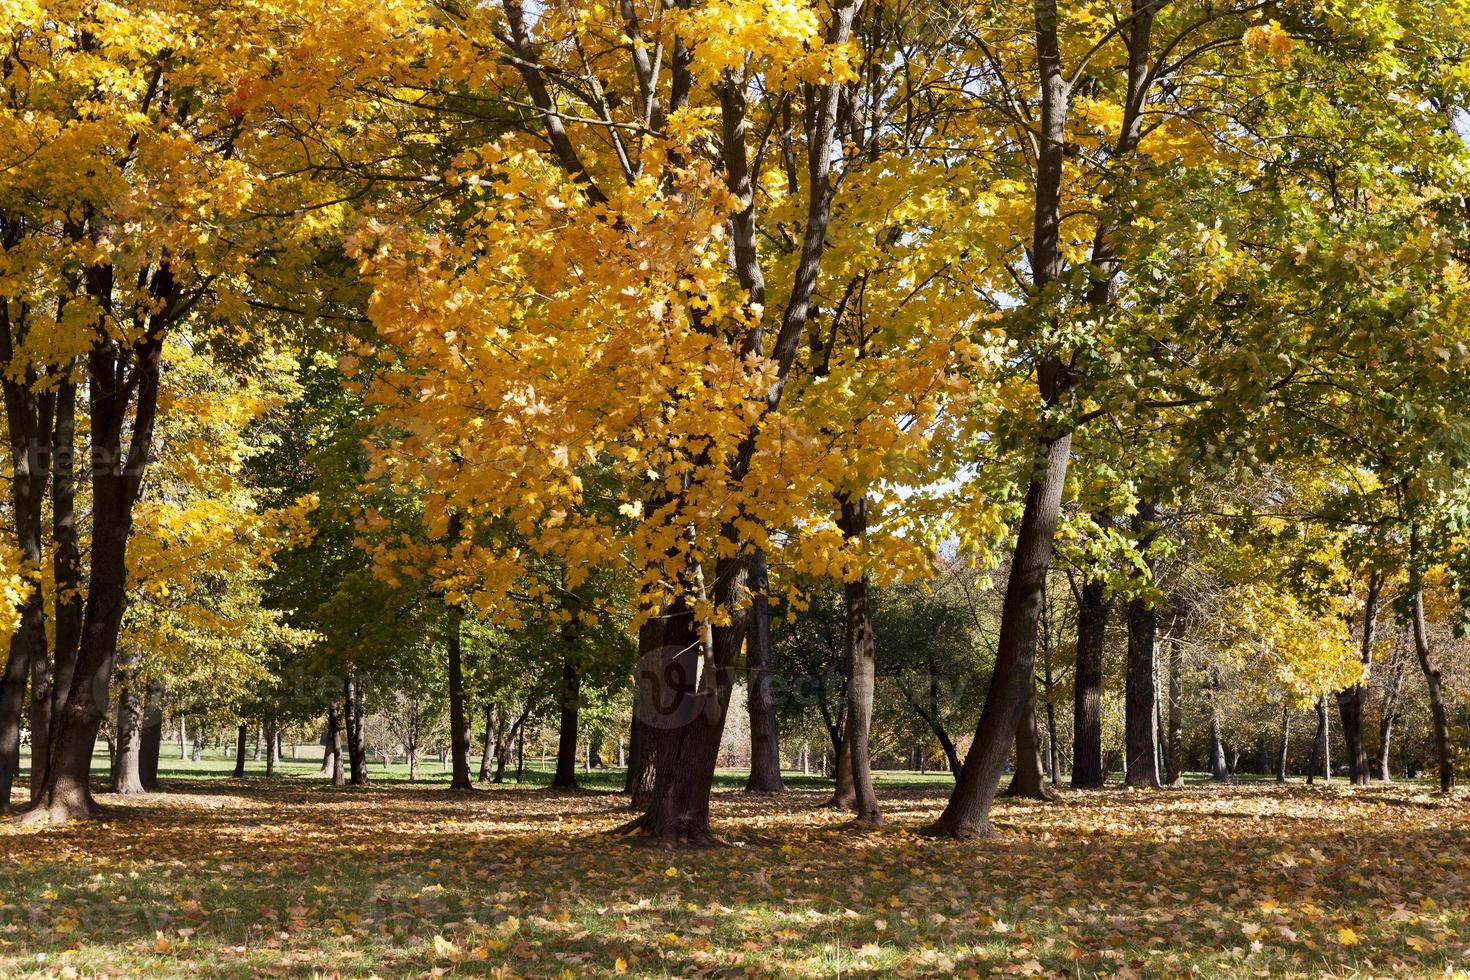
292,877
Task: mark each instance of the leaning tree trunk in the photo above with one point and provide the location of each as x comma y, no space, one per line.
1028,781
1087,752
127,776
861,663
1350,700
1436,695
459,724
968,811
765,742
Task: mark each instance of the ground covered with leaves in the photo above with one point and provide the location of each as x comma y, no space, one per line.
293,879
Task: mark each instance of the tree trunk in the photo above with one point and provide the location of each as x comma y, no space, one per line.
1285,744
1087,753
352,718
1219,771
1390,706
152,738
569,698
861,662
1350,700
127,777
242,735
1174,743
1028,781
273,748
968,811
1053,756
459,723
491,740
765,742
1140,719
642,738
1321,746
1432,679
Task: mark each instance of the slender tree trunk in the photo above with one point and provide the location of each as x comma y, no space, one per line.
1321,746
491,740
861,663
1174,757
1053,755
1140,718
242,735
1219,771
1285,744
459,723
1390,707
127,777
569,701
1087,753
765,742
1350,700
1432,679
352,718
66,564
273,748
1028,782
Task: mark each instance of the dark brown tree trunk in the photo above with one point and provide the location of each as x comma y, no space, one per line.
352,718
930,716
1281,758
66,558
127,777
1432,679
642,738
1092,621
569,697
1219,770
1028,781
1140,719
861,662
242,738
152,738
1350,700
459,722
273,748
765,742
1174,744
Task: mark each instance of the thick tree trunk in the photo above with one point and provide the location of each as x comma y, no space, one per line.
1440,720
642,738
765,742
1028,781
569,698
273,748
844,795
152,738
127,776
459,722
242,737
65,559
1087,753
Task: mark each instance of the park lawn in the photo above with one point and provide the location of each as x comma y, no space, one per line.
292,877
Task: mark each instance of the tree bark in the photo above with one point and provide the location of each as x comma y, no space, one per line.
127,777
1440,720
765,742
1350,700
1140,718
489,754
242,736
273,748
152,738
352,718
568,700
1285,744
1174,756
642,738
1092,621
1219,770
1028,781
1389,708
459,723
65,560
861,664
1321,746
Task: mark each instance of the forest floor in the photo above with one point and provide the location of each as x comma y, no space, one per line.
294,878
